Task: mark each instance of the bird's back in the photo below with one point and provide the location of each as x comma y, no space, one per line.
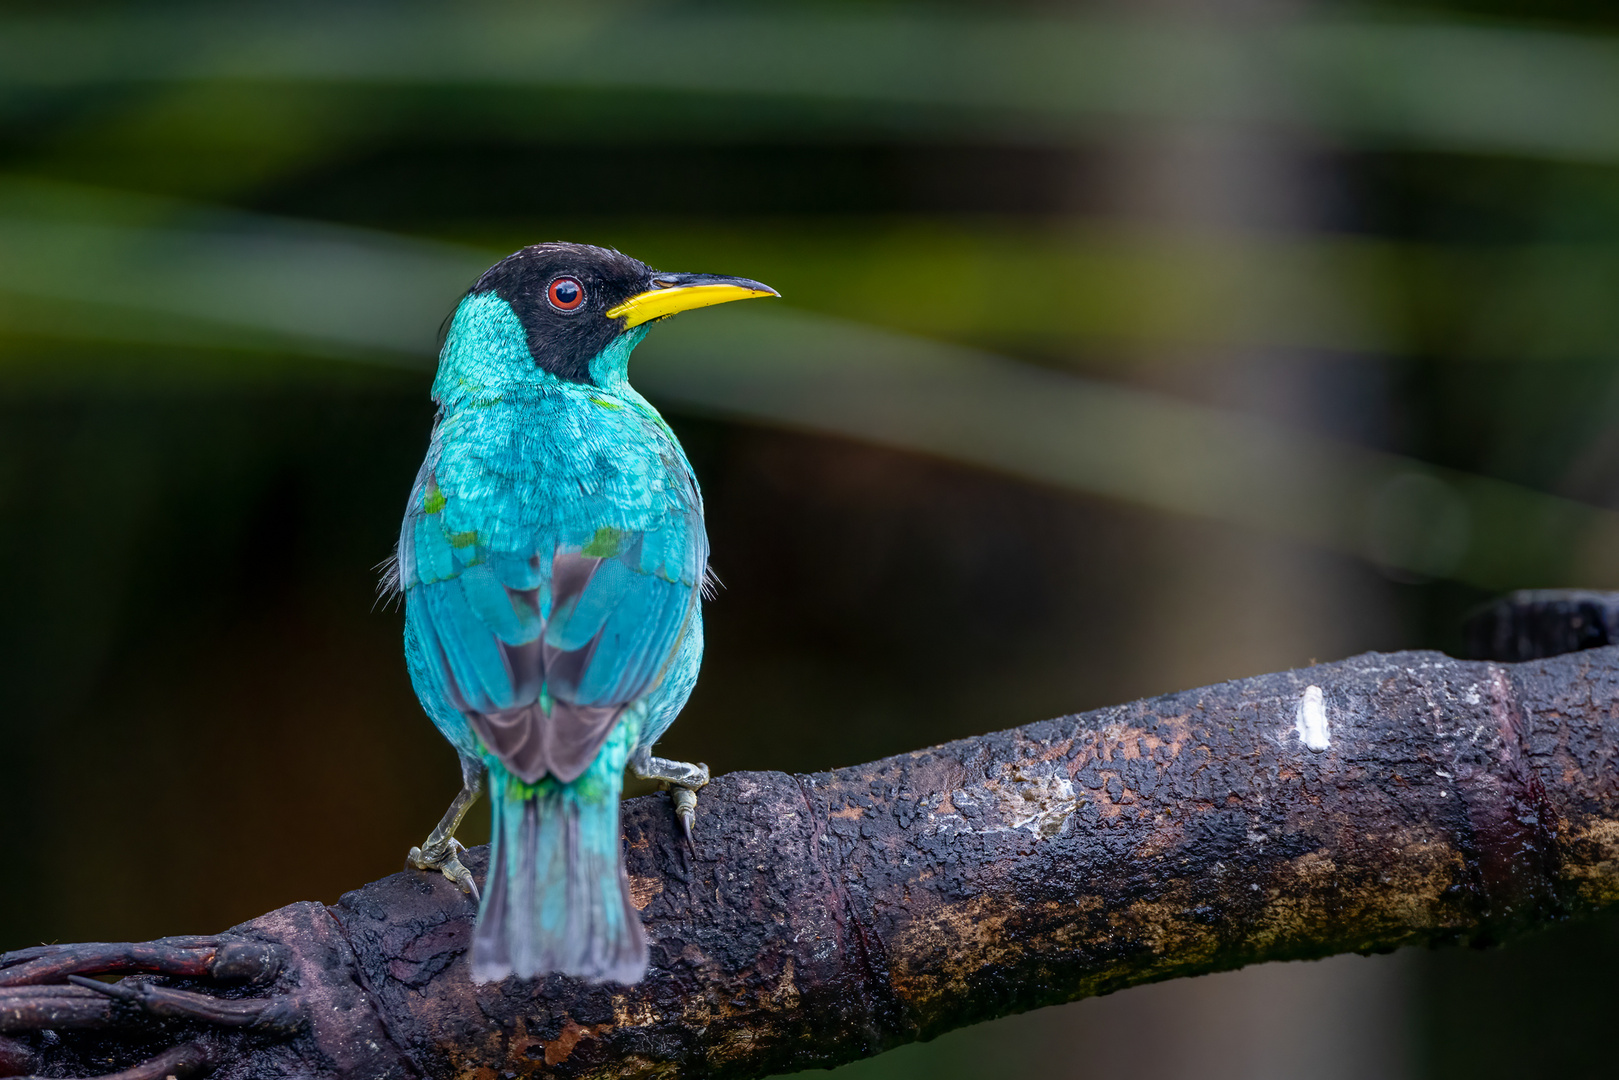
551,556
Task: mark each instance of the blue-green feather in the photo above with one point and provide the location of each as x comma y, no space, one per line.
529,476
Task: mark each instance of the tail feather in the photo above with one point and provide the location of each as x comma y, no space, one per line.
556,898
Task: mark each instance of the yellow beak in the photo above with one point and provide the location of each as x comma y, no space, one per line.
675,293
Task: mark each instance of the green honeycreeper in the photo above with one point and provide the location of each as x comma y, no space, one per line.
553,560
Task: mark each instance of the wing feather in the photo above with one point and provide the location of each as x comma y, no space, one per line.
543,647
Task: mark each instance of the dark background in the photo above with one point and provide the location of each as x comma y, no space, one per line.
1395,239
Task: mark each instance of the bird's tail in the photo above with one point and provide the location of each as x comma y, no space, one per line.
556,898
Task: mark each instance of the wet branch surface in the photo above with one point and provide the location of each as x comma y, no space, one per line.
1407,798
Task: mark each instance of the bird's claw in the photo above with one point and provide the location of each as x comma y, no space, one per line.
680,778
683,791
446,859
686,810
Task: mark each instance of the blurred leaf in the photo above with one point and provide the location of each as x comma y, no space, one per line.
1446,85
1053,286
296,286
1138,447
98,264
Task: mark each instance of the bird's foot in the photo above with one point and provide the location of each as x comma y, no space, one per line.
682,778
445,857
441,851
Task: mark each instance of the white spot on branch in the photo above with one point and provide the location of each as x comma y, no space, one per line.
1312,720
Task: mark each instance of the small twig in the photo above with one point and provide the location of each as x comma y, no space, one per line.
52,1008
198,957
282,1015
45,989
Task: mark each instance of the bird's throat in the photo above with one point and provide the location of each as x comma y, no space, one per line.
610,368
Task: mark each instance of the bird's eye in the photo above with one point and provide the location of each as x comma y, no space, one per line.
565,294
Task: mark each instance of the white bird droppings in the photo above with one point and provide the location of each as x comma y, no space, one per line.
1312,720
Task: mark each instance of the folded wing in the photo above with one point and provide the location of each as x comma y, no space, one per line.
543,648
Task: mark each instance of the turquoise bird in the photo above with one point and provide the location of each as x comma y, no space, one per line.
553,560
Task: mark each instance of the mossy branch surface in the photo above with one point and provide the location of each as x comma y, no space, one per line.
1410,798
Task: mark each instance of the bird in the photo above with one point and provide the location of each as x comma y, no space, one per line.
553,562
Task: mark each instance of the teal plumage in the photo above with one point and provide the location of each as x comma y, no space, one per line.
552,559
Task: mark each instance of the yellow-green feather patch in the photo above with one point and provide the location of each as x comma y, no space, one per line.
605,544
433,499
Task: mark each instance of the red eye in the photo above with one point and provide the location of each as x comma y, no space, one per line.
565,293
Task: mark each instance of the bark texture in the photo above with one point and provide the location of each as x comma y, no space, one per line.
1381,801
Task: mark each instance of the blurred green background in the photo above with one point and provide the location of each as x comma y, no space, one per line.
1126,346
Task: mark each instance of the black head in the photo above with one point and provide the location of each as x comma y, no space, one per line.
574,299
562,293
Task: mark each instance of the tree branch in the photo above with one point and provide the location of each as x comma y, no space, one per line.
1381,801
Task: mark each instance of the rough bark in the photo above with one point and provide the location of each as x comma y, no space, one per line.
828,917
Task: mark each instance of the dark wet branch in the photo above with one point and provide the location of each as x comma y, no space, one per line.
1377,802
1535,623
